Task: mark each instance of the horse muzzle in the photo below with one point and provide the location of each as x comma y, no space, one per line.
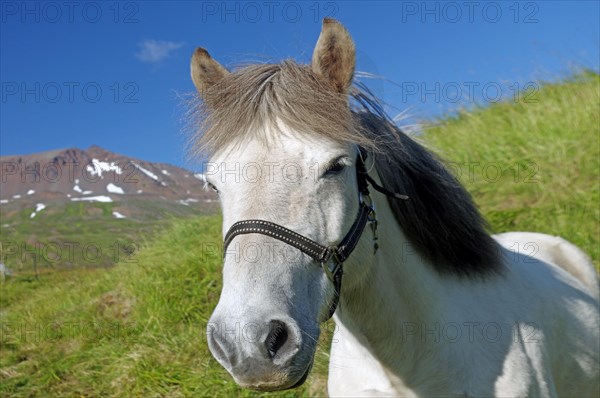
265,356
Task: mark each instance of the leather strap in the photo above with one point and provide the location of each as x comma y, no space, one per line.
308,246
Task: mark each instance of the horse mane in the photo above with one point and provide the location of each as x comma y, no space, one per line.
440,219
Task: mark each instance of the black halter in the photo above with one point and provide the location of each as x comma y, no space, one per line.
322,254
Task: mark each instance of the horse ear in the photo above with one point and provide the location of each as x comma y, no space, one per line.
334,55
205,71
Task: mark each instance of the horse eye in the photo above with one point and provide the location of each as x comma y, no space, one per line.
211,186
335,168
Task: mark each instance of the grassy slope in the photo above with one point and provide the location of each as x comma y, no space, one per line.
137,329
69,235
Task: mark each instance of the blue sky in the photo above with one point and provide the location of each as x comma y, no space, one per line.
114,74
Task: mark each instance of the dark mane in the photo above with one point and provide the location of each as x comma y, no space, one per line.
440,219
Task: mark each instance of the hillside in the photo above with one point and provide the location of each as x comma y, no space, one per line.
71,207
137,329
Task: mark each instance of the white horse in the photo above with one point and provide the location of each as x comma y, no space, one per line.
433,307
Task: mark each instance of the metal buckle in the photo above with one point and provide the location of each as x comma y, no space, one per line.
372,219
332,265
368,202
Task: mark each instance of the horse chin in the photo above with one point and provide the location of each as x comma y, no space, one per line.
304,376
290,384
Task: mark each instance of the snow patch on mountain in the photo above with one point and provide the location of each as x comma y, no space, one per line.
112,188
147,172
118,215
97,168
186,202
76,188
101,198
38,207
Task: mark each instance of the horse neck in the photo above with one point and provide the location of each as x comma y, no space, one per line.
399,290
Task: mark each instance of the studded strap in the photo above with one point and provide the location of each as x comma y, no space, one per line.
283,234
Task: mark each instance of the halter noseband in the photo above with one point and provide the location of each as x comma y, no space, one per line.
322,254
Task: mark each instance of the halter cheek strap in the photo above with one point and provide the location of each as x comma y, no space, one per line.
323,254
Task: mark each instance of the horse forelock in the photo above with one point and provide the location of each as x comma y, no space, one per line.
259,98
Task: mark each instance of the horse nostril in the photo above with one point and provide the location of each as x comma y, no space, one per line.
278,335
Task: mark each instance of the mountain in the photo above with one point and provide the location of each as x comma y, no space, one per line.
93,207
38,182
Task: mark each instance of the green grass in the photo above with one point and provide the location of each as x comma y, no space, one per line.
134,330
138,329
